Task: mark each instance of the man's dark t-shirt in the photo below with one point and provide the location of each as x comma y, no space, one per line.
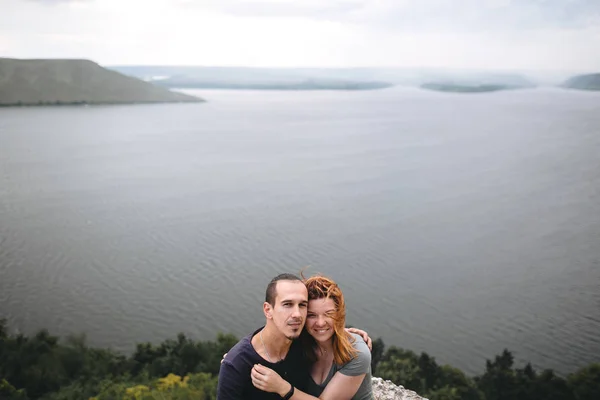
234,375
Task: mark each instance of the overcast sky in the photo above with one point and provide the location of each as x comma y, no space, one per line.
490,34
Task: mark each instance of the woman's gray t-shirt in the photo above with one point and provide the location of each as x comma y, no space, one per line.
361,364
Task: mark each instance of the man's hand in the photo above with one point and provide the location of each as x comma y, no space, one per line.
362,334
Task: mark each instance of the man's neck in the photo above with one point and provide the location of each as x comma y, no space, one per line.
271,344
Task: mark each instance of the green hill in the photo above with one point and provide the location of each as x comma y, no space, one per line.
53,82
583,82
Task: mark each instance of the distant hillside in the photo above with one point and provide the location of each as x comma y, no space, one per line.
44,82
583,82
253,78
268,84
371,77
464,88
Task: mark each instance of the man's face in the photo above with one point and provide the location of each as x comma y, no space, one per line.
289,312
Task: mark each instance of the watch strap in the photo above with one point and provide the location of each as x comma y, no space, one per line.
289,394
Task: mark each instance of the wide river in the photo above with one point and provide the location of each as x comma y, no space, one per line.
458,225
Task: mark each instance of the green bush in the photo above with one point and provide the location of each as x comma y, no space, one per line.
43,367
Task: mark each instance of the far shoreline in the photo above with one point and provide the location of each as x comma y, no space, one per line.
88,104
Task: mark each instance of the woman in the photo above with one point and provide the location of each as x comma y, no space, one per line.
341,362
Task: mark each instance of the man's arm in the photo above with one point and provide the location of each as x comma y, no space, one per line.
231,382
341,387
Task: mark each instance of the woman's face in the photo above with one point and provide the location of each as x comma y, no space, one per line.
319,320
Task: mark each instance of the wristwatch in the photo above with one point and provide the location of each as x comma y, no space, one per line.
289,394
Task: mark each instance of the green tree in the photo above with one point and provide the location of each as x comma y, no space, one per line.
445,393
451,377
585,383
202,386
401,370
498,381
8,391
429,372
377,353
549,386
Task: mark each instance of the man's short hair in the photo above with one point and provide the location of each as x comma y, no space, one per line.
271,293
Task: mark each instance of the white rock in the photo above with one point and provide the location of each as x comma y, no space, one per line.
387,390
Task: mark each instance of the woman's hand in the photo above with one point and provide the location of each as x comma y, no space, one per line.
267,380
362,334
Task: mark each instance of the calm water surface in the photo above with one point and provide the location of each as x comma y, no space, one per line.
455,224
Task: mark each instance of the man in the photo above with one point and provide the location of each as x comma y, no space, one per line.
285,307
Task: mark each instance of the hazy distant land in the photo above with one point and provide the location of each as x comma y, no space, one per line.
584,82
292,84
248,78
64,82
463,88
60,82
325,78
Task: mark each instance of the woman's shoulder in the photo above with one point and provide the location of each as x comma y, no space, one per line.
359,344
363,354
361,362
